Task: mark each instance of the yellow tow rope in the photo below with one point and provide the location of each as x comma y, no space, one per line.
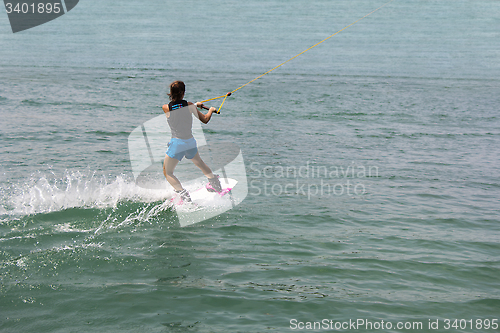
269,71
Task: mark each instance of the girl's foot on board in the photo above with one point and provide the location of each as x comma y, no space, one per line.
214,184
184,195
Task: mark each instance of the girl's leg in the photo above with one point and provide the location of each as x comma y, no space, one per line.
214,180
169,165
203,167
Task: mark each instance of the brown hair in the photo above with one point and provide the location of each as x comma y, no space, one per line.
177,90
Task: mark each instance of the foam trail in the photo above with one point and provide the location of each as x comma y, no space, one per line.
43,194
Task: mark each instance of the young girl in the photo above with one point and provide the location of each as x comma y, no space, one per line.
182,144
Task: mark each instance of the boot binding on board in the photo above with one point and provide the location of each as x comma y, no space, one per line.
214,184
185,197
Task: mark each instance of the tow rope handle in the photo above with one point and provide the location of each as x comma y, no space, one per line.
220,107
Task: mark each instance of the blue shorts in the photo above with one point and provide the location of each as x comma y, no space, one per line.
178,148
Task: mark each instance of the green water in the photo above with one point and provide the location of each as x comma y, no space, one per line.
372,166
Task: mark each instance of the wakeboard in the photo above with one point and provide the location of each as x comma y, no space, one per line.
204,204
